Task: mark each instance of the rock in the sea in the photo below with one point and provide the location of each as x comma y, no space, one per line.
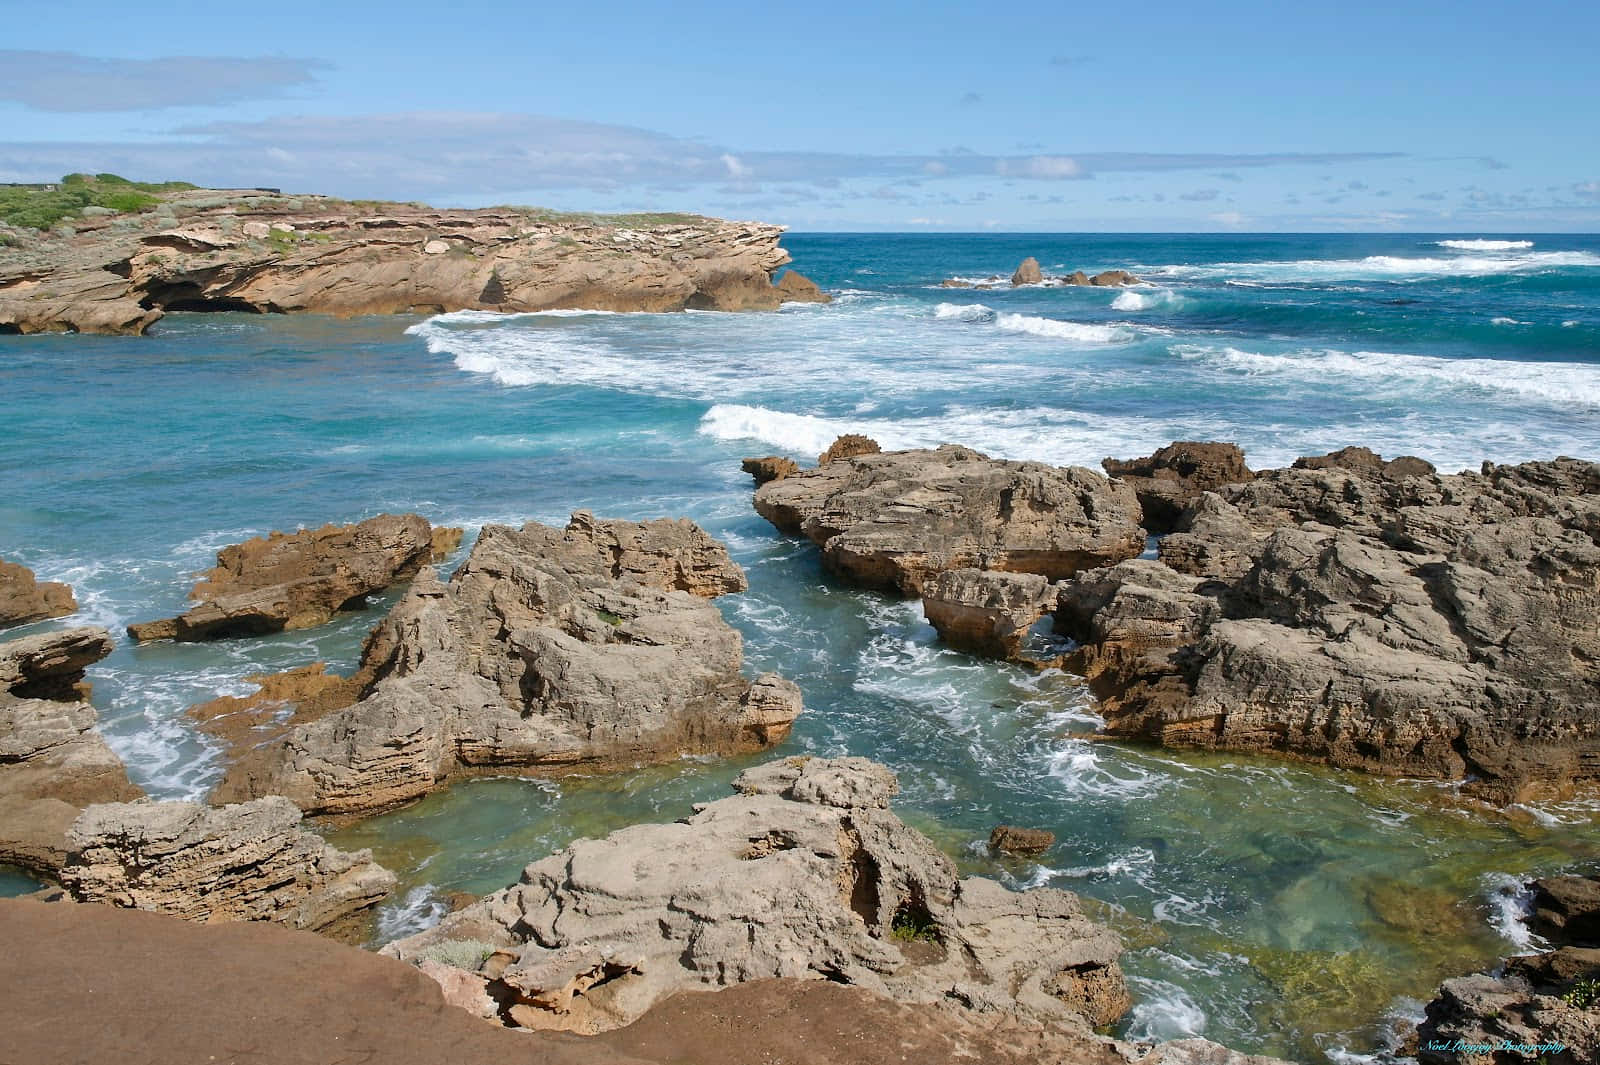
52,761
1028,842
795,287
1113,278
987,612
300,580
893,520
805,875
1027,273
1566,909
249,862
1174,476
281,701
1416,624
848,446
23,598
769,468
582,648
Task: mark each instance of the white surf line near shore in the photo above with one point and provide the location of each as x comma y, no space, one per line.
1381,267
1484,245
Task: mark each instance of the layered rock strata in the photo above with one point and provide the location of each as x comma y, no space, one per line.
247,862
214,250
24,598
588,647
52,761
893,520
300,580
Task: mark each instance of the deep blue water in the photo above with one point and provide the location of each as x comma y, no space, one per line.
1259,899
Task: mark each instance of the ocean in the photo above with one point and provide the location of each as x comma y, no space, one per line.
1276,908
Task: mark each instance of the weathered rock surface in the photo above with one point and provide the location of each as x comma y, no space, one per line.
1011,839
1369,617
1027,273
849,446
251,251
549,649
302,579
769,468
248,862
805,875
281,701
893,520
795,287
1114,278
1175,476
52,761
24,598
1534,1004
987,612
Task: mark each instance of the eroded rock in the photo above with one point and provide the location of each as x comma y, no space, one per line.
987,612
1027,273
806,875
588,647
23,598
1174,476
769,468
1028,842
249,862
848,446
302,579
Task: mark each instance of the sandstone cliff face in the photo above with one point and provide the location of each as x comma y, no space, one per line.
804,875
583,647
212,250
23,598
1370,615
300,580
52,761
894,519
249,862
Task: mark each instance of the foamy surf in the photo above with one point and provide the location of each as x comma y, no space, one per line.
1484,245
1385,267
1079,332
1133,299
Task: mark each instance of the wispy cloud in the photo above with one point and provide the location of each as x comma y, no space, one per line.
65,82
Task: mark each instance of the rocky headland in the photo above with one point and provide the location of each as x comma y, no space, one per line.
186,249
549,649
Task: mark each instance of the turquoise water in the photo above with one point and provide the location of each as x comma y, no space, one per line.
1276,908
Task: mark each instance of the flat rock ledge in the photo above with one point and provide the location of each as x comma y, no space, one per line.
246,862
300,580
585,648
23,598
52,760
1370,615
220,250
892,520
1535,1007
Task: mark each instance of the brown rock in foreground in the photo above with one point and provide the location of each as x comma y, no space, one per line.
52,761
22,598
1010,839
222,250
1175,476
589,647
300,580
893,520
249,862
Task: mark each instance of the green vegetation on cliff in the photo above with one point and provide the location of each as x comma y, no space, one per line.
42,206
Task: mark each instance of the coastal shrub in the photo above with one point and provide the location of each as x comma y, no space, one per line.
913,924
42,206
1584,994
468,954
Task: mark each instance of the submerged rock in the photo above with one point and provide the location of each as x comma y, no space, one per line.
588,647
23,598
1029,842
250,862
893,520
300,580
804,875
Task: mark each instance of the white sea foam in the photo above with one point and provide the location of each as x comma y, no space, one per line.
1086,771
1133,299
801,433
1162,1011
417,911
964,312
1502,320
1055,329
1484,245
1381,267
1556,382
1510,903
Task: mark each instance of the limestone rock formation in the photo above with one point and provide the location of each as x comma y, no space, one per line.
893,520
52,761
1385,620
587,647
300,580
795,287
249,862
1539,1007
769,468
281,701
1175,476
1027,273
258,252
848,446
987,612
23,598
1029,842
804,875
1113,278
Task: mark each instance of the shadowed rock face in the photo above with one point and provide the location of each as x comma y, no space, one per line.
216,250
1176,475
893,520
300,580
22,598
592,646
249,862
805,874
52,761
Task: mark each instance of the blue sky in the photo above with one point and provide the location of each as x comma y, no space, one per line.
1469,116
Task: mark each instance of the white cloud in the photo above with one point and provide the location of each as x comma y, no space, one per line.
1229,218
1043,167
1589,190
736,170
66,82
